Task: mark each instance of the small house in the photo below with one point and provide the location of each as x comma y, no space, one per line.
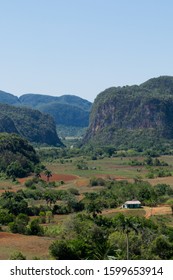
132,204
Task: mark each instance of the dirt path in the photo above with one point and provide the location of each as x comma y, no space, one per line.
160,210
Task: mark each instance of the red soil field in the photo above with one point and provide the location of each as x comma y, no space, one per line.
53,178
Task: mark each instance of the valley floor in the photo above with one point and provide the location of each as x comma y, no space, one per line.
72,177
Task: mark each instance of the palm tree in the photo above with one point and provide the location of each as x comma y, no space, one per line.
37,172
95,207
126,225
48,174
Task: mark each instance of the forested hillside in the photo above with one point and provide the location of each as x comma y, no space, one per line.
133,116
8,98
30,124
67,110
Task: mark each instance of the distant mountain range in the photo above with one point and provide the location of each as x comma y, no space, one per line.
133,116
125,117
67,110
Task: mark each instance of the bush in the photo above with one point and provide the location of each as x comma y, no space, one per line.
17,256
5,217
60,209
34,228
15,169
20,224
31,183
97,182
74,191
64,250
42,217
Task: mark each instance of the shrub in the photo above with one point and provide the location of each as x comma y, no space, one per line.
5,217
17,256
63,250
34,228
42,217
20,224
97,182
74,191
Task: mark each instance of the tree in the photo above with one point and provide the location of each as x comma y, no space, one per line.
49,216
6,217
162,247
170,202
15,169
42,217
14,202
65,250
35,228
95,207
37,172
50,197
149,161
126,224
20,224
48,174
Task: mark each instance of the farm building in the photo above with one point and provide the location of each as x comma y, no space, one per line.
132,204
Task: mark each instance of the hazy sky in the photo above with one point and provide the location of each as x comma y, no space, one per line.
82,47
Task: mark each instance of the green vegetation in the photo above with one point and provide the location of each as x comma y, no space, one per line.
73,198
17,256
137,117
70,113
18,157
8,98
29,123
67,110
71,133
90,233
119,238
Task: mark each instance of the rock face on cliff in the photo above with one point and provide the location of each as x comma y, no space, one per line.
133,116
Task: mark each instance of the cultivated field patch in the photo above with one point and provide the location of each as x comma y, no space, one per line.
30,246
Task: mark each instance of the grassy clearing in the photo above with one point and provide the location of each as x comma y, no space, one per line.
127,212
108,166
30,246
168,219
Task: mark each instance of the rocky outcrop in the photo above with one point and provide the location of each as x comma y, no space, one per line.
130,112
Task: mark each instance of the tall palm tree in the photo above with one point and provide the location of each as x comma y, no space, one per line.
126,225
48,174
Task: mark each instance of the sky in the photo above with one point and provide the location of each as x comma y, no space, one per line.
82,47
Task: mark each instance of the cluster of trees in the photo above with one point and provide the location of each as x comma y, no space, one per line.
120,237
68,153
158,172
90,235
113,194
148,161
50,202
18,157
